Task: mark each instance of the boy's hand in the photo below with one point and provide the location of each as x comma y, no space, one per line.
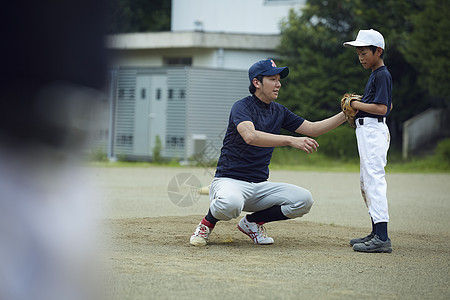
348,109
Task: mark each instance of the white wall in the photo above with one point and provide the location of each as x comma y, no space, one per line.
230,59
207,49
203,58
231,16
242,60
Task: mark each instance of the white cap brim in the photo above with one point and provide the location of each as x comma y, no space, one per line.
356,44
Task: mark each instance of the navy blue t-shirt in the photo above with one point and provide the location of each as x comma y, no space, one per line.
378,90
241,161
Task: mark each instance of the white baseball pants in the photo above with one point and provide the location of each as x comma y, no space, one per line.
229,197
373,144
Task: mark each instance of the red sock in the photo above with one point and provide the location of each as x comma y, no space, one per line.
207,223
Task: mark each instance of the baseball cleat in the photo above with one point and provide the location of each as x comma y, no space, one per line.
255,231
362,240
375,245
201,235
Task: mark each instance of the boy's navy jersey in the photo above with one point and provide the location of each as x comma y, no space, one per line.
378,90
241,161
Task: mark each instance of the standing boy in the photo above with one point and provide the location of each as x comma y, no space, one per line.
240,182
372,135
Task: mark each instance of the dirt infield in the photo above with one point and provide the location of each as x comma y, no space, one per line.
150,257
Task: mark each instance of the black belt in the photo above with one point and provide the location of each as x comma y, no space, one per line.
361,120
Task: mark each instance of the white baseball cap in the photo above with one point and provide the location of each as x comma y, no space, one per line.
367,38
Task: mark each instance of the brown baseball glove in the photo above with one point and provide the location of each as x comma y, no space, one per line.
347,109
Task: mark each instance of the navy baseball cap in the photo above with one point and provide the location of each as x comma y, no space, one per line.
266,67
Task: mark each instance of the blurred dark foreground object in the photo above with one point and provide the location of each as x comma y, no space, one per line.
52,75
49,45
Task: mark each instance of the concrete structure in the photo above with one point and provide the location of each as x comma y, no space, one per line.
196,49
186,108
425,129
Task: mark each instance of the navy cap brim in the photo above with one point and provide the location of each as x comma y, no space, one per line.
284,72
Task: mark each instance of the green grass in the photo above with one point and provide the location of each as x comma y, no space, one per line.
286,158
318,162
130,164
294,160
416,165
429,164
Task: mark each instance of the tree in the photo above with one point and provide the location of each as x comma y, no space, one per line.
322,69
427,46
138,15
392,19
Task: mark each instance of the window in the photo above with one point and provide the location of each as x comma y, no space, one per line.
158,94
178,61
174,142
101,135
124,140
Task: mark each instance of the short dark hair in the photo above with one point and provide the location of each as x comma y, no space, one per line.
252,88
373,49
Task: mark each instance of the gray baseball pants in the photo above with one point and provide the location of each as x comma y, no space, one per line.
229,197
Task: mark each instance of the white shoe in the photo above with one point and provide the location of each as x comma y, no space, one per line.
201,235
255,231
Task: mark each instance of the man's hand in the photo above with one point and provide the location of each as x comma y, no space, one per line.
306,144
263,139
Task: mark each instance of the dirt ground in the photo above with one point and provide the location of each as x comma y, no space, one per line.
148,254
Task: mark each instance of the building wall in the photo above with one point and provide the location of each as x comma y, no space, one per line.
139,108
242,60
201,57
99,137
124,98
211,94
135,58
175,144
196,115
425,129
231,16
